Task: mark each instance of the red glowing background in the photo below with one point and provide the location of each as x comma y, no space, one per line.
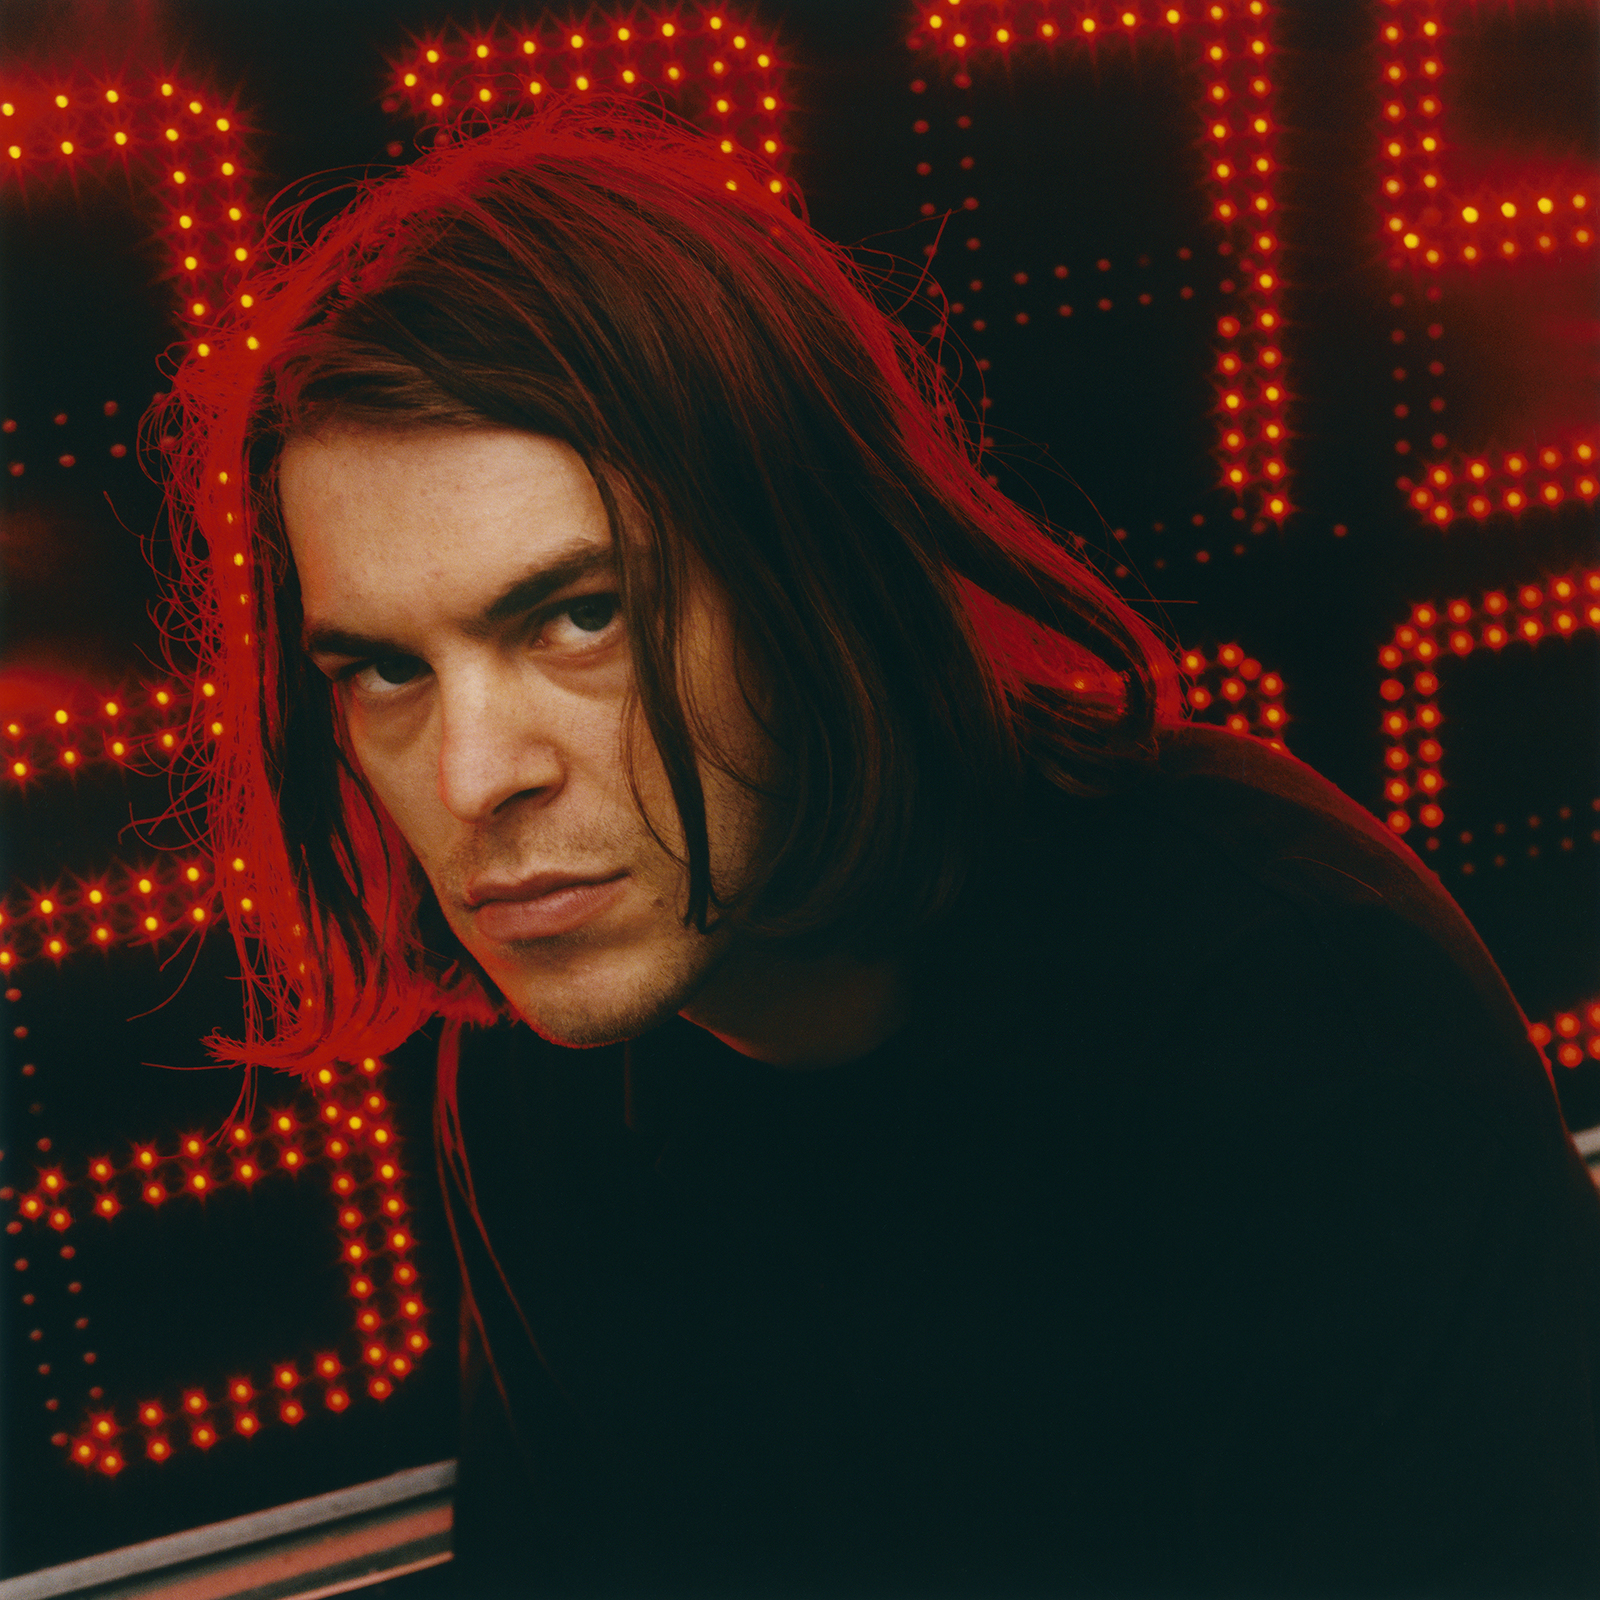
1443,220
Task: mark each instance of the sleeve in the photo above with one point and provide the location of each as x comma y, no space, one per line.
1393,1284
492,1554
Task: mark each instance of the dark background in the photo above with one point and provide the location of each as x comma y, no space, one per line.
1100,421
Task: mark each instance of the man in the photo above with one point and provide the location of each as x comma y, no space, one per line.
1081,1154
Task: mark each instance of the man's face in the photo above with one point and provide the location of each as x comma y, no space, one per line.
460,590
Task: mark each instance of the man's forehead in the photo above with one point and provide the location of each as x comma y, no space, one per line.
481,526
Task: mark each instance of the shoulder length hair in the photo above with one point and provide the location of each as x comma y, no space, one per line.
923,647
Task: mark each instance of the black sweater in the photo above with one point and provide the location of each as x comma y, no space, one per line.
1211,1230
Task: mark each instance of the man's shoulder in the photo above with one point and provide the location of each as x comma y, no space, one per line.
1233,831
1280,820
1229,857
1220,831
1287,828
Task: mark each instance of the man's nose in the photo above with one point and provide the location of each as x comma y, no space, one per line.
492,748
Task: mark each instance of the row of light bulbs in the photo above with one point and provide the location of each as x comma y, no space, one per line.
1561,608
1433,225
194,165
341,1126
1237,117
997,22
1231,688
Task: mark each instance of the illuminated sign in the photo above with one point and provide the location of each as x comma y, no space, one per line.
1422,648
1452,214
1569,1027
1231,689
343,1130
339,1128
182,149
1236,124
716,68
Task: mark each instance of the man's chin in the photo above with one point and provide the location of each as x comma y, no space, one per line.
568,1039
607,995
583,1024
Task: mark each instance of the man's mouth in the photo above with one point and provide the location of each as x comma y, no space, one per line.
539,905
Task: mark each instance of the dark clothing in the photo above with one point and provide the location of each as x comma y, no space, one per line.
1212,1230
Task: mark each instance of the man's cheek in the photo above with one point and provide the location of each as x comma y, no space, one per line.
411,815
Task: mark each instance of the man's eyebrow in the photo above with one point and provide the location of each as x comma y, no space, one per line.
574,562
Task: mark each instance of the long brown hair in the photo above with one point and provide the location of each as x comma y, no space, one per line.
921,645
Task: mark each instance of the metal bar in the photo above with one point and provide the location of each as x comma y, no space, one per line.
381,1516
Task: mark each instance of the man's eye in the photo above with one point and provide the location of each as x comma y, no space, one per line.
396,669
588,617
593,613
381,674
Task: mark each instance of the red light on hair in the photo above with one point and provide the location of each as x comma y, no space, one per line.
393,998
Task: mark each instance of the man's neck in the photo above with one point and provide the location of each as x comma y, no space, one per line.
801,1014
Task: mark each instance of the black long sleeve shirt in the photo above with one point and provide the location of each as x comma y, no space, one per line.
1212,1229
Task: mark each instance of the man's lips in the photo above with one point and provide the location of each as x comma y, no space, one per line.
531,887
539,906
